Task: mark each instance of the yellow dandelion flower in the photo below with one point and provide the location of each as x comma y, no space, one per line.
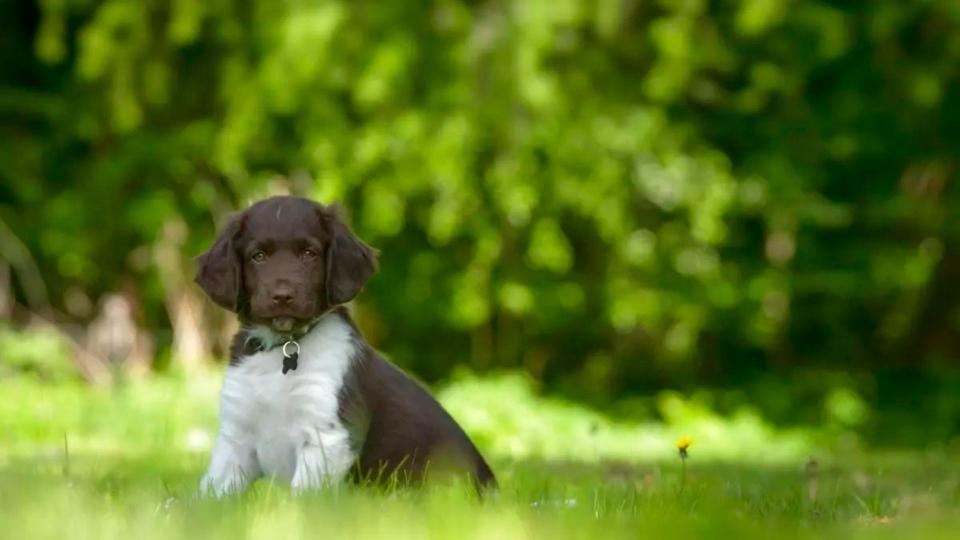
684,443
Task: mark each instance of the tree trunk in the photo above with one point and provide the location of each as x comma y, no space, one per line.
184,305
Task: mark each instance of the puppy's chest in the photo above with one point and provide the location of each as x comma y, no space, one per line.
303,397
279,414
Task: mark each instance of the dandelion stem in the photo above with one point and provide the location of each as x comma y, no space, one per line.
683,474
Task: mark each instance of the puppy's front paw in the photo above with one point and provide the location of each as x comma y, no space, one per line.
221,486
303,481
309,475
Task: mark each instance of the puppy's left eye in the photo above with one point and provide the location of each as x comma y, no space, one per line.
309,254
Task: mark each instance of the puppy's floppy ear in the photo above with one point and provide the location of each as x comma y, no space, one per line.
219,270
350,262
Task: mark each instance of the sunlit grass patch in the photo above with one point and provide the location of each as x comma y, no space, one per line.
125,463
155,497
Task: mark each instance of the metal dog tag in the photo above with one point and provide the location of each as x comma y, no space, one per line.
290,357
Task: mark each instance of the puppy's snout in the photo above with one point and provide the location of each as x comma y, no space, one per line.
282,295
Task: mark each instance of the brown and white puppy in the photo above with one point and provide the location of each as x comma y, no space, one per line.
305,399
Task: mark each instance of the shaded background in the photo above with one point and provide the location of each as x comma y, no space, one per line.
750,202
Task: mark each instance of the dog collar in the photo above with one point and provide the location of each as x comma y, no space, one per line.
289,345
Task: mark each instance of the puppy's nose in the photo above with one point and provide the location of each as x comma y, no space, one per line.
282,295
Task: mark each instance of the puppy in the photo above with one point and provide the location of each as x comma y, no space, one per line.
305,399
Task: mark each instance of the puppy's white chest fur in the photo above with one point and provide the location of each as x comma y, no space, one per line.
285,426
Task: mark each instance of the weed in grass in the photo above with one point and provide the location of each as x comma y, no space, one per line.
683,449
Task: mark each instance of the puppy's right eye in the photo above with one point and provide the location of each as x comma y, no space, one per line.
258,256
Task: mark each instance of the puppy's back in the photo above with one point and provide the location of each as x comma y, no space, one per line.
401,430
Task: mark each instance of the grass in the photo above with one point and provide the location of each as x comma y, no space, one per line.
133,459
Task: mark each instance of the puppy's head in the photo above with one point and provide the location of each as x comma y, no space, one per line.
284,261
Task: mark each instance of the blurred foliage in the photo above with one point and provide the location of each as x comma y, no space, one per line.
166,411
614,195
503,415
43,353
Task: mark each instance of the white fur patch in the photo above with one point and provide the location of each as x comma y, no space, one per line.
285,426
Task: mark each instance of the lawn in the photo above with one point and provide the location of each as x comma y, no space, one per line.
83,463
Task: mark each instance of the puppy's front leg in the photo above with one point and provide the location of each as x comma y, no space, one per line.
232,468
